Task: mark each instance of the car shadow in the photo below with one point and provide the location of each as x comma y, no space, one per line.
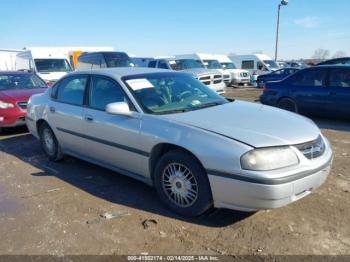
337,125
107,184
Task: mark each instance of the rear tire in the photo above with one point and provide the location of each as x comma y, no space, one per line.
288,104
182,183
49,143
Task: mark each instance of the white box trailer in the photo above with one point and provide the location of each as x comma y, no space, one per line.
8,59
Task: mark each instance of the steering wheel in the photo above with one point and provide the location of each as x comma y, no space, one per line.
184,94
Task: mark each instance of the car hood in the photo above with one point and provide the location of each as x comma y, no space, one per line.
201,71
253,124
15,95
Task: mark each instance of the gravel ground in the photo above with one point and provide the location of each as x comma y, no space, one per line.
55,208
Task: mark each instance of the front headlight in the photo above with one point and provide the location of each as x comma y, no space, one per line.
5,105
269,158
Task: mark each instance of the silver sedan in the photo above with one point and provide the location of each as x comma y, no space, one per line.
167,129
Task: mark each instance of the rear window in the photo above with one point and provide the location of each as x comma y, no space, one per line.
118,60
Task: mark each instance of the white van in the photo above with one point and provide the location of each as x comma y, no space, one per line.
238,76
256,64
8,59
209,62
49,64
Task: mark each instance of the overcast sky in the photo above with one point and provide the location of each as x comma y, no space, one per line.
165,27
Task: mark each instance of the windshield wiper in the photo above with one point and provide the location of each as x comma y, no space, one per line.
208,105
182,110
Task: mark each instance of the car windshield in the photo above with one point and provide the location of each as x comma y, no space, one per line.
228,65
20,81
182,64
118,60
271,64
52,65
167,93
212,64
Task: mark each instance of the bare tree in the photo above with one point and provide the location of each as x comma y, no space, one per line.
321,54
339,54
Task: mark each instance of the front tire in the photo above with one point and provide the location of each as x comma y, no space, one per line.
49,143
288,104
182,183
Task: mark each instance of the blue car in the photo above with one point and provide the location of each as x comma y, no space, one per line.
276,75
318,91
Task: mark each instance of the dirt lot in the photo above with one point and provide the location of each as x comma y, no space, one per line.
54,208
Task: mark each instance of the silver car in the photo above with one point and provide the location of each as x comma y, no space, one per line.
169,130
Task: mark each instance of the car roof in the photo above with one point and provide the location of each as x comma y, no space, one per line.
119,72
16,72
330,66
293,68
103,52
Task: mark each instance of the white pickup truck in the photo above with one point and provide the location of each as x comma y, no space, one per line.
238,76
209,77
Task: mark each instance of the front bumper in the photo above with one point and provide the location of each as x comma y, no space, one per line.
238,193
12,117
241,80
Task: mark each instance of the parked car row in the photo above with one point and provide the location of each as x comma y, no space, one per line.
172,130
321,91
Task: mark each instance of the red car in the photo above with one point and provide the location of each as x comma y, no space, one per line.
16,87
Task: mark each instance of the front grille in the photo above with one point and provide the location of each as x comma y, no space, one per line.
217,81
22,105
226,76
204,78
217,76
206,82
312,149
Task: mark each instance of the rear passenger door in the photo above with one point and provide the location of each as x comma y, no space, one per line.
339,82
112,140
65,112
309,89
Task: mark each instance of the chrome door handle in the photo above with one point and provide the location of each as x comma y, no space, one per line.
89,118
52,109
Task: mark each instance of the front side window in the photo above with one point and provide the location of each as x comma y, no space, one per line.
340,78
212,64
162,64
248,64
278,72
228,65
166,93
310,78
152,64
271,64
52,65
71,90
20,81
183,64
105,91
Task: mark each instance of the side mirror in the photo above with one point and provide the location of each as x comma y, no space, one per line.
118,108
